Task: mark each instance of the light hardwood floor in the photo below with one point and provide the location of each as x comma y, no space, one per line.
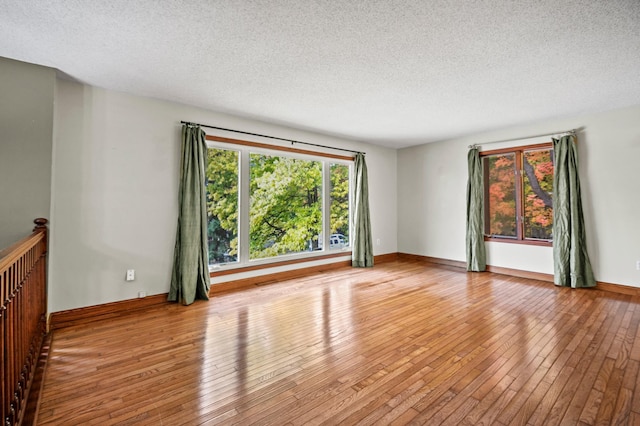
402,343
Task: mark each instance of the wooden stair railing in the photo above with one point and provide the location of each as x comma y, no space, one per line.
23,319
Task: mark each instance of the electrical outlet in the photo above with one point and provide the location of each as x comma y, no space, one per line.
142,294
378,241
638,265
131,274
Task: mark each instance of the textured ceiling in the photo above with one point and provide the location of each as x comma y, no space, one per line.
395,73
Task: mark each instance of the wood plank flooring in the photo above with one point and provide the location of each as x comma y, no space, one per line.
402,343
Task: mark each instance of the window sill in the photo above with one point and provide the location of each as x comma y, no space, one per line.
524,242
229,269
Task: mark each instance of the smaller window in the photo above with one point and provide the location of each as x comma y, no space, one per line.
518,188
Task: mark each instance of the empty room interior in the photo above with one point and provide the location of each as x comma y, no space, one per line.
320,212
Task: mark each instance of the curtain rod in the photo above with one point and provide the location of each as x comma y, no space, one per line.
189,123
571,132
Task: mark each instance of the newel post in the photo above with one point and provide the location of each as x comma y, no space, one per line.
41,226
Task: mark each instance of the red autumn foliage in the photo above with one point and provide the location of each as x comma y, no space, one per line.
538,211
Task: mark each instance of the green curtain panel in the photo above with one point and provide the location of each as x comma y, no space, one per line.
190,276
571,264
362,250
476,254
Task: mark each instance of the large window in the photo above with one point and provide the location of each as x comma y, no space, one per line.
268,204
518,185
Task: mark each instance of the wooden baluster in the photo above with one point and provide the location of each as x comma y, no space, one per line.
3,373
4,409
11,345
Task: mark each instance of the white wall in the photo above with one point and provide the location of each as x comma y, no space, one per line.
115,174
26,129
432,192
114,193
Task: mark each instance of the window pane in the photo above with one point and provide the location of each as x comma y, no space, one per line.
500,195
339,196
222,205
285,212
538,194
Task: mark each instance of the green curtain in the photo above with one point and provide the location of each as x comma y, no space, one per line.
571,264
476,254
190,276
362,250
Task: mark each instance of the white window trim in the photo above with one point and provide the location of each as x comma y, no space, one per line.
244,203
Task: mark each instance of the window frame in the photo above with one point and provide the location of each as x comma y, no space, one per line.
244,150
519,153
